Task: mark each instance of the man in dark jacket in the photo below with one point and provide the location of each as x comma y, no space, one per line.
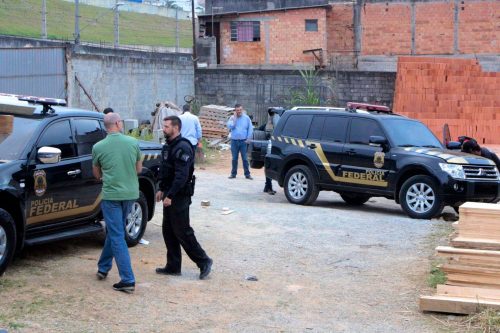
176,189
472,147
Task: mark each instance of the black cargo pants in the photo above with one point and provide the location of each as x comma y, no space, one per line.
177,232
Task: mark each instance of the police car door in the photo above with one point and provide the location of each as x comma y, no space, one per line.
87,132
364,164
52,189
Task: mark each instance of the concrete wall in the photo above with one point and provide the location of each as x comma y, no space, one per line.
258,89
131,82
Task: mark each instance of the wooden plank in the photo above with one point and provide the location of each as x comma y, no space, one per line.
471,206
466,269
458,305
476,243
453,250
468,292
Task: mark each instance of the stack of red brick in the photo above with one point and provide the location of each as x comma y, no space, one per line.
456,92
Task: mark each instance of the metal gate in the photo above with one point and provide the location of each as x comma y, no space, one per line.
33,71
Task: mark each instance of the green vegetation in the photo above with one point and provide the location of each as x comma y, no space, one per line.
23,18
436,276
306,95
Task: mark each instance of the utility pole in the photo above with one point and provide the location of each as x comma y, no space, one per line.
44,19
195,57
117,31
77,22
177,29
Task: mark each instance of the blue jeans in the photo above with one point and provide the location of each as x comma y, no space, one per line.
239,146
115,214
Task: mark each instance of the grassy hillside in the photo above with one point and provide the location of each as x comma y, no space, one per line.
23,18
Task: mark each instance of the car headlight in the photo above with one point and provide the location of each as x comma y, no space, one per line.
454,170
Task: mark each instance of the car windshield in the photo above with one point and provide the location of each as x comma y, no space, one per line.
410,133
13,139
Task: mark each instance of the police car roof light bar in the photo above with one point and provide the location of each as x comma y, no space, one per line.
46,102
368,107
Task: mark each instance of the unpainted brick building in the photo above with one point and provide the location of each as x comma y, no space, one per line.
348,35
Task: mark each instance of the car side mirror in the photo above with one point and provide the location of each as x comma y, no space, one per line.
454,145
377,140
49,155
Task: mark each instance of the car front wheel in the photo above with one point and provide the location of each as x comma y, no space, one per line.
7,239
420,197
136,221
300,187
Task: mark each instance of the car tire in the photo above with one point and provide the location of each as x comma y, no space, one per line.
7,239
259,135
256,164
300,186
420,197
354,199
137,221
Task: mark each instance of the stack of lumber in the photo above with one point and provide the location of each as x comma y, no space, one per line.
472,263
213,119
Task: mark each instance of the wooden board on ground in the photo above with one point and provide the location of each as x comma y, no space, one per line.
468,292
458,305
475,243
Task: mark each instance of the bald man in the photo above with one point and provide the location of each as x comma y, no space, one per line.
117,161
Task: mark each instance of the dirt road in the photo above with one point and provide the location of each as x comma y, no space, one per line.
325,268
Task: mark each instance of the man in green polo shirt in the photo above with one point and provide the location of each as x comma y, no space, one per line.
117,161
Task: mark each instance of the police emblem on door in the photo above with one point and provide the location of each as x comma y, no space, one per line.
378,159
40,182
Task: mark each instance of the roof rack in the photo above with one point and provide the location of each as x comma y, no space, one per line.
353,106
47,103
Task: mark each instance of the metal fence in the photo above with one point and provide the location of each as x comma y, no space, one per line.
33,71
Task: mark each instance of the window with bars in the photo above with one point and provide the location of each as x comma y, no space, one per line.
245,31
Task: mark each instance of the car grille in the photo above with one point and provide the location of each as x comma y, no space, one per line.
480,172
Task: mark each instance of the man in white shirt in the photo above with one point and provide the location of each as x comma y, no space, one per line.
191,127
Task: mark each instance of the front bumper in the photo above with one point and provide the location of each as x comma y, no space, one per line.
459,191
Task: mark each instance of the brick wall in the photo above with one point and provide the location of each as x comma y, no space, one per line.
479,27
439,27
259,89
340,29
386,28
287,38
434,28
452,91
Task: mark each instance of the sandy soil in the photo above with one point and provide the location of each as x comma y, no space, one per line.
325,268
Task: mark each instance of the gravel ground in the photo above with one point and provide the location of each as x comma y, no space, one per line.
324,268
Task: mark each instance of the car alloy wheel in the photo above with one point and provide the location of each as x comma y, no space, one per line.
134,220
298,185
3,243
420,198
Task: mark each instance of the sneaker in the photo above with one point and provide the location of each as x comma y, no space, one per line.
231,177
205,270
271,192
167,271
249,177
101,275
125,287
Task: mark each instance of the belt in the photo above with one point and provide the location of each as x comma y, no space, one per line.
239,139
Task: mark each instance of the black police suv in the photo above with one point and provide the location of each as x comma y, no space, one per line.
362,154
47,190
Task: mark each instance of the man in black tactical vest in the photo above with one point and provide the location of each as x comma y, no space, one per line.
175,190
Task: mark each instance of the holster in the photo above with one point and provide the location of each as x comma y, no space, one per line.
190,186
